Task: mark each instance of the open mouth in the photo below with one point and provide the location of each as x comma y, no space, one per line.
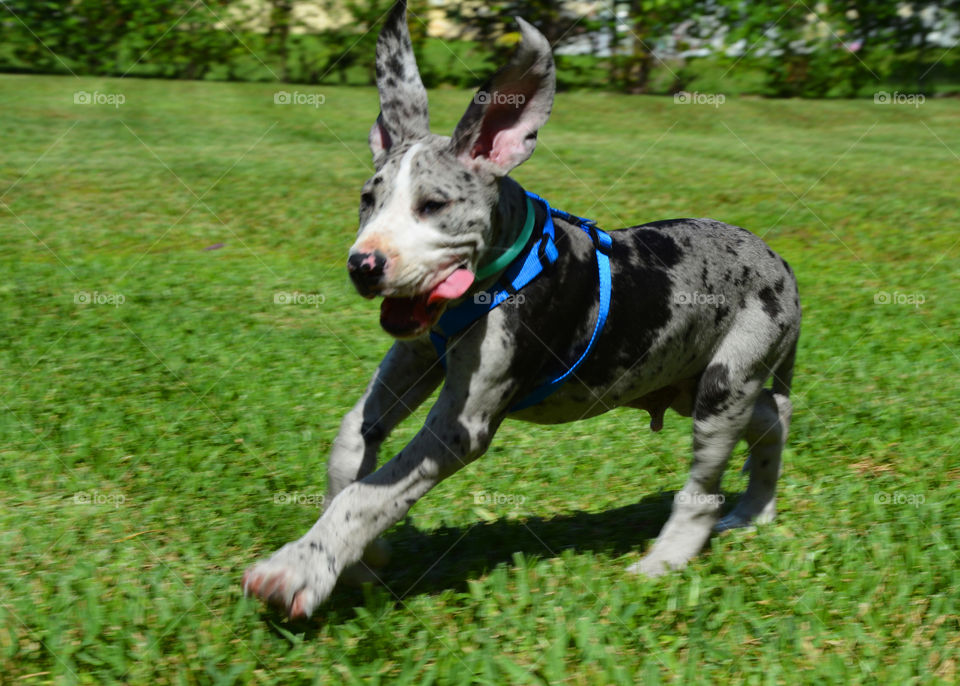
410,317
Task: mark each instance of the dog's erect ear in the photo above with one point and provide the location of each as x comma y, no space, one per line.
403,99
499,129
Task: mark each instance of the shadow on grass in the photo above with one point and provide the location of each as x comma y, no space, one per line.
428,562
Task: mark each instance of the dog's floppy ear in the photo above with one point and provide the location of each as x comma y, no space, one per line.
403,99
499,129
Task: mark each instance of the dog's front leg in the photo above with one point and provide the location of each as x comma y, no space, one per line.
405,378
458,429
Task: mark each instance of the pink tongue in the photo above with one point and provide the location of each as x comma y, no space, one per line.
452,287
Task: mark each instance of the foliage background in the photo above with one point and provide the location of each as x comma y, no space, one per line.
778,48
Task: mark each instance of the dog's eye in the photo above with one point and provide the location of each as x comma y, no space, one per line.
432,207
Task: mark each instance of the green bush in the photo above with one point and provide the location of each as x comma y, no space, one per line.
181,39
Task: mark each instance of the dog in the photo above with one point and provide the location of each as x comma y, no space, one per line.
693,315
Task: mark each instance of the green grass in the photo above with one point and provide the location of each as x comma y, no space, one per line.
184,411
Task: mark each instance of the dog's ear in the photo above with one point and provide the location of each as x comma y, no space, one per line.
403,99
499,129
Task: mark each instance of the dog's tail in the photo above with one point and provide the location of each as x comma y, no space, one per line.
783,374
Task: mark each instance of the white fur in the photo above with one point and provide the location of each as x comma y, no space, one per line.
413,247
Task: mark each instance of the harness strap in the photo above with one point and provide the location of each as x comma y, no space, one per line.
602,244
521,272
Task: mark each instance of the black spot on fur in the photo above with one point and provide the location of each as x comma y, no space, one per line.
770,303
395,65
713,390
391,28
778,286
731,250
722,312
659,248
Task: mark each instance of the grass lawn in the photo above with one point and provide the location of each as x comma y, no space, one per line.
164,422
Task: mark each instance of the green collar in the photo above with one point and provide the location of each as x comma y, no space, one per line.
506,258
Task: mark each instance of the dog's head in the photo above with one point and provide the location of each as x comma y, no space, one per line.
428,215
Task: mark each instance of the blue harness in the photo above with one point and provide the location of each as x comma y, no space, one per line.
520,272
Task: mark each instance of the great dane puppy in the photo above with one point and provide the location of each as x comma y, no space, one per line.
702,315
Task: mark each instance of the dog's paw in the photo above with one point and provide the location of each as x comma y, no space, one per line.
295,578
653,566
747,515
681,539
734,520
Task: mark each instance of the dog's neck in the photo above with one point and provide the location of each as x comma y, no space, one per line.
507,218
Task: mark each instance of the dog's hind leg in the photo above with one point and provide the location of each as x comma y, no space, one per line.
766,434
725,397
